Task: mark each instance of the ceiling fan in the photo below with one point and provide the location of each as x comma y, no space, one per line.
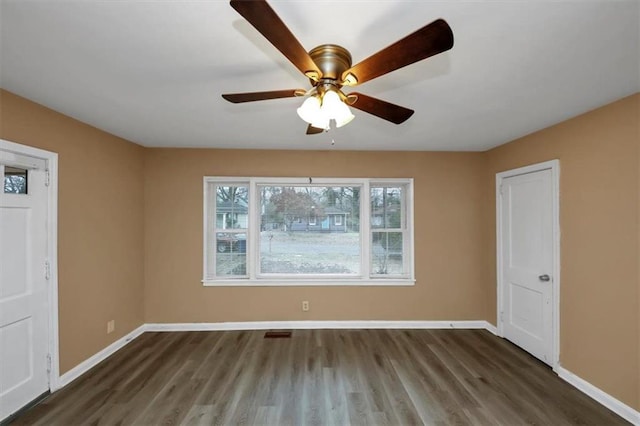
329,68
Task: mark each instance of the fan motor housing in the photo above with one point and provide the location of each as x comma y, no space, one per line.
332,60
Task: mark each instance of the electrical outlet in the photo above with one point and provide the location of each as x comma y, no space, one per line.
111,326
305,305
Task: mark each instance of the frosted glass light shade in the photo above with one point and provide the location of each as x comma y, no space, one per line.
335,109
331,103
321,122
344,117
309,109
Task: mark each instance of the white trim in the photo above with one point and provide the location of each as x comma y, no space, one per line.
205,227
50,161
316,325
554,166
21,160
94,360
491,328
289,282
52,250
613,404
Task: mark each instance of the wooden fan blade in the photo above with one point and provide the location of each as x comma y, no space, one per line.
263,96
430,40
259,14
385,110
313,130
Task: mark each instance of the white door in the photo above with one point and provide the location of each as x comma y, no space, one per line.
527,262
23,288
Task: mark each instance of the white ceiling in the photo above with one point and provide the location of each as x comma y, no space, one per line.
153,71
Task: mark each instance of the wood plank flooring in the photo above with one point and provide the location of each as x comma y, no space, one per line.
320,377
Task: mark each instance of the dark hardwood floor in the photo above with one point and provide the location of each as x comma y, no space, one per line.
334,377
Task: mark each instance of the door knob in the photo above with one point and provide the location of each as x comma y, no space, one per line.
544,277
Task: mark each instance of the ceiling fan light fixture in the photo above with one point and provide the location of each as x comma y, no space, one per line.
319,112
329,68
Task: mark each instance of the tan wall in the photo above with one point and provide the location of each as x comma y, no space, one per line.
447,235
599,205
100,240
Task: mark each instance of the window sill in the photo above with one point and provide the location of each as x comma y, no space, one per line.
243,282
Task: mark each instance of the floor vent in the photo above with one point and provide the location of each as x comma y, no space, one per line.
277,335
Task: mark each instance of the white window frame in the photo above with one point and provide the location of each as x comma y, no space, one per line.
255,278
406,227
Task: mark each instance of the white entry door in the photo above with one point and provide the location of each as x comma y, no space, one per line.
24,311
527,243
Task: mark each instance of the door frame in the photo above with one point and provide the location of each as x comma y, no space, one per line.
554,166
51,168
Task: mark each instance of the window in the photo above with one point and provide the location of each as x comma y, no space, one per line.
388,230
228,231
294,231
15,180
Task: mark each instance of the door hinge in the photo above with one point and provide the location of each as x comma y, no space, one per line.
48,363
47,177
47,270
502,316
500,189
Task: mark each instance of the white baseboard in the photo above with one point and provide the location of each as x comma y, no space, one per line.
307,325
599,395
491,328
91,362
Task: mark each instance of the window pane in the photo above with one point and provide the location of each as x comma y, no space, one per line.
310,230
232,216
386,253
231,207
231,254
386,207
15,180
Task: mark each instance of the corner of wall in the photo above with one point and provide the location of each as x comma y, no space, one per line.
489,235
